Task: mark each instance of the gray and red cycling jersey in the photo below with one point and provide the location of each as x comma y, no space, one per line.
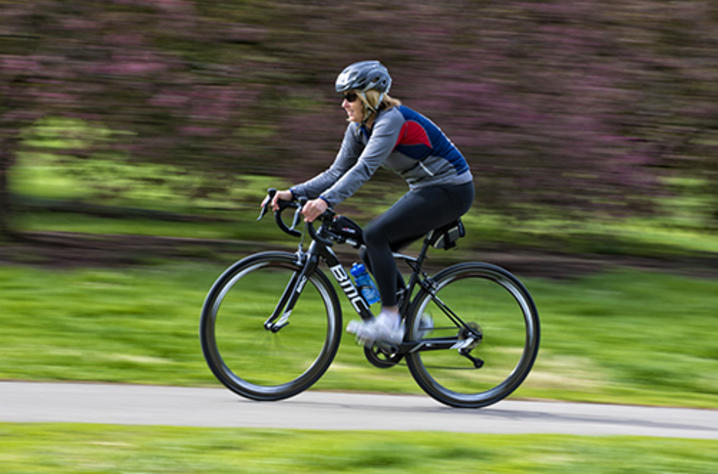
402,140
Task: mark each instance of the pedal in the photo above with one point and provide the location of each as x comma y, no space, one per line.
426,325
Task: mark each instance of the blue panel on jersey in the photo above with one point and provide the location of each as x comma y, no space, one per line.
442,147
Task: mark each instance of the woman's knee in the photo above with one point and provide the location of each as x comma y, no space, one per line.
375,235
364,256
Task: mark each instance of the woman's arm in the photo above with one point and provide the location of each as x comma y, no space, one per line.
346,157
381,143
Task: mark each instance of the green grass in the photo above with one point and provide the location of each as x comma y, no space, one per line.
66,222
679,226
68,447
622,336
646,237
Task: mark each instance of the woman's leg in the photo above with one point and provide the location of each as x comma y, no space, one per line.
411,217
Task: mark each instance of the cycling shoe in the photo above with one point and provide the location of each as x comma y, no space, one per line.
384,328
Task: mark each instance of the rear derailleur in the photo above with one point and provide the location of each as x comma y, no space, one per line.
469,337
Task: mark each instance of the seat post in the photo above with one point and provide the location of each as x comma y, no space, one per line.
416,274
424,248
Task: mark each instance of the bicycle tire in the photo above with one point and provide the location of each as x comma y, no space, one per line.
255,362
477,293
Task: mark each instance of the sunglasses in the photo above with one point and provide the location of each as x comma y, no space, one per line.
350,97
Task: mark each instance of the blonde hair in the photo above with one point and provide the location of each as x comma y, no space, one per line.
371,102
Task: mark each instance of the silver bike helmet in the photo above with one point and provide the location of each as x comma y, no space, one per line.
363,76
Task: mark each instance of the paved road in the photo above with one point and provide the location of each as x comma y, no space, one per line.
218,407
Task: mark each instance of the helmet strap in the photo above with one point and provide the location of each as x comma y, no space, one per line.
369,108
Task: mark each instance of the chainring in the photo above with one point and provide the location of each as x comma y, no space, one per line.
379,357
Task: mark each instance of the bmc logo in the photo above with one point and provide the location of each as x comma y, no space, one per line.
345,282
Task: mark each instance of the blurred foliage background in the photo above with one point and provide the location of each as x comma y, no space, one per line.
589,126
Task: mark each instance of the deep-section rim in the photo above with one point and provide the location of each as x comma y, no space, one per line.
209,346
531,343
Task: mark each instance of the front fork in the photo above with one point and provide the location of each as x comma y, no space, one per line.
280,316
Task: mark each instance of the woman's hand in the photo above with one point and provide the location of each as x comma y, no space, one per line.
314,208
285,195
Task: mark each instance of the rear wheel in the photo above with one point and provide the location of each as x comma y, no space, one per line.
499,334
259,363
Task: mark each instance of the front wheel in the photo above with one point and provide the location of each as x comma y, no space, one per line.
493,323
257,362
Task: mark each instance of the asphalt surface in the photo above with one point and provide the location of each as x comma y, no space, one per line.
218,407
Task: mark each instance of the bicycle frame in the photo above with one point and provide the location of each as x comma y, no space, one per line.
320,249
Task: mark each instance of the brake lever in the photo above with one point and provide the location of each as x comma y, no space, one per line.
262,212
295,220
270,192
326,218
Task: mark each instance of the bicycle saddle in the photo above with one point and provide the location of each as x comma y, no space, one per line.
445,237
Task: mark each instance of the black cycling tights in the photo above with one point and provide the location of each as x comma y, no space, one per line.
409,219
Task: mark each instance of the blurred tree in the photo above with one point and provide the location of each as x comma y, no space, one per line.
577,106
164,78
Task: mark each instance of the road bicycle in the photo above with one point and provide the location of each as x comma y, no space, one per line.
271,323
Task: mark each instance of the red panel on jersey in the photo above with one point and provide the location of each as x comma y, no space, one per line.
412,133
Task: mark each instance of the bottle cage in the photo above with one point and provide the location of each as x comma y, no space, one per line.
445,237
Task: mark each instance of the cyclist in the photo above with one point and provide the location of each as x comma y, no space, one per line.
383,132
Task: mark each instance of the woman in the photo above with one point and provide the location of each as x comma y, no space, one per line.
382,132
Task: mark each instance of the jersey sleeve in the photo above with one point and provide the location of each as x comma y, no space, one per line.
346,157
381,143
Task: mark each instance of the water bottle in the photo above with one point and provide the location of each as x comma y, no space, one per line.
365,283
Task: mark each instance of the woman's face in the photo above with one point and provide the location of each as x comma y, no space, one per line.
352,105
